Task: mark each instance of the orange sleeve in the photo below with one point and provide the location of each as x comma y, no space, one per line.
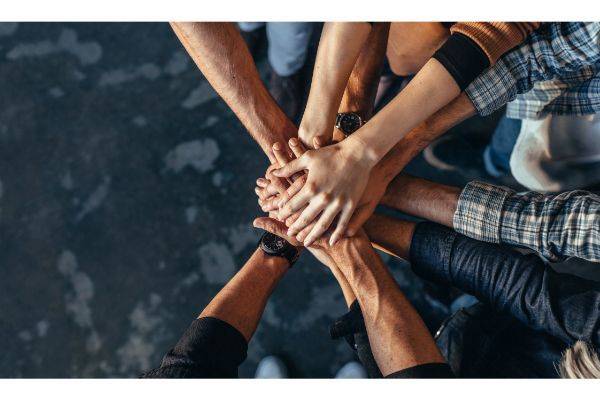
495,38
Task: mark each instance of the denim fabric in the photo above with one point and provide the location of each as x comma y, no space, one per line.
497,154
288,44
522,286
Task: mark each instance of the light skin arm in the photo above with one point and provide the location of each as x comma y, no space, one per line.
391,165
338,51
242,301
220,52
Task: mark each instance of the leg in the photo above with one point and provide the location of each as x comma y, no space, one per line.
288,46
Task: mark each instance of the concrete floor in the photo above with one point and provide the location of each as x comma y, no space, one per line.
126,196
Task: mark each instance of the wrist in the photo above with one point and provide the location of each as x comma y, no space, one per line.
271,267
361,151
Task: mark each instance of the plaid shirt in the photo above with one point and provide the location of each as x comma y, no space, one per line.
558,65
556,226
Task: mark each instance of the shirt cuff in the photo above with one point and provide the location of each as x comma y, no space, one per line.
425,371
431,252
209,343
462,58
479,211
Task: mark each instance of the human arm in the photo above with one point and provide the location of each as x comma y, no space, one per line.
562,305
216,343
399,339
338,51
554,225
221,54
566,51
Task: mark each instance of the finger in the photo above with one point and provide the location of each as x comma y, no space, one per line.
281,154
304,232
295,203
317,142
297,147
291,219
262,182
309,214
358,219
342,224
323,224
275,227
279,185
261,193
270,204
291,168
291,191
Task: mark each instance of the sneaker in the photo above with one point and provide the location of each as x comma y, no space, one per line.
271,367
288,92
352,370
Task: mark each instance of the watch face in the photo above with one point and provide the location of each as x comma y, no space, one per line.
273,244
350,123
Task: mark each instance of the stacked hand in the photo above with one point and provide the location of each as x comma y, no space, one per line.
322,184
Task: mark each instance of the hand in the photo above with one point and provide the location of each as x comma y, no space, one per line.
316,128
337,177
318,249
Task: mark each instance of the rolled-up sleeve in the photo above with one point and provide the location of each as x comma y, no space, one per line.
569,52
555,226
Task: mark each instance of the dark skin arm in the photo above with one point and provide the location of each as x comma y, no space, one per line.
242,300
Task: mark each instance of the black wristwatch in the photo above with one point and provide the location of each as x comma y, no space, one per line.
274,245
349,122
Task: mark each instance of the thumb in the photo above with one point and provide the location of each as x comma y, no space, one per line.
275,227
290,168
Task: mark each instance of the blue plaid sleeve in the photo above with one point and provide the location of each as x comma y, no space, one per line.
556,226
567,53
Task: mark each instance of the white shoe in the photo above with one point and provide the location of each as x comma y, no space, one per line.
352,370
271,367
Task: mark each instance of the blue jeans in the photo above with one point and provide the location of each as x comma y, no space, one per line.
288,44
497,154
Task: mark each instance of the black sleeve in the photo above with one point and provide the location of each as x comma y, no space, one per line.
562,305
432,371
462,58
352,327
209,348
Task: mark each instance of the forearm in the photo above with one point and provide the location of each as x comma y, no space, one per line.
430,90
361,88
339,49
242,301
221,54
422,198
390,235
424,134
399,339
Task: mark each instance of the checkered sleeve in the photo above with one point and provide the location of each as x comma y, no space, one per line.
555,226
564,52
479,211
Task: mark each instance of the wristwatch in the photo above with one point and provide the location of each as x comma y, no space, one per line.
349,122
274,245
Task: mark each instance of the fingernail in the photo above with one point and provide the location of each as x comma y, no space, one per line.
277,146
293,142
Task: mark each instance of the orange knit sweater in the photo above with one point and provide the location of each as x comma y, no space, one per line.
495,38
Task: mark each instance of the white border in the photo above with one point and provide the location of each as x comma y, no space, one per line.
307,389
299,10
